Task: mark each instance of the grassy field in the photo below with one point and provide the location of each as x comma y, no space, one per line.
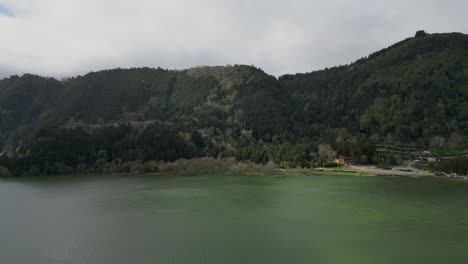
356,171
359,171
300,172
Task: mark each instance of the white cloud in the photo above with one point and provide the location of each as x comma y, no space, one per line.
68,37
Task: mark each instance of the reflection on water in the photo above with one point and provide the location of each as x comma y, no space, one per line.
211,219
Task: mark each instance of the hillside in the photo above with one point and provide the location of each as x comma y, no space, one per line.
412,94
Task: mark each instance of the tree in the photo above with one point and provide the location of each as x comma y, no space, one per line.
420,33
454,141
326,153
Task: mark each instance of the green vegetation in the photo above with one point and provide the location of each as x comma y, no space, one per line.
384,109
457,165
326,172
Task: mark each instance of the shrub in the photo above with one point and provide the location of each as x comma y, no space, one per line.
4,172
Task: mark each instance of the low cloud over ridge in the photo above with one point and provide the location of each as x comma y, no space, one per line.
68,37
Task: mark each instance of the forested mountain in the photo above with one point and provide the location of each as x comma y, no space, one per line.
412,94
409,93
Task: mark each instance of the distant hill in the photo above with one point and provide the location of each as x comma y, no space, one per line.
412,94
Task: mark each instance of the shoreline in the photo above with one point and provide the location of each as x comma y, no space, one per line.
350,170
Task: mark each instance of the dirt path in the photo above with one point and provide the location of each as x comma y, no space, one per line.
397,171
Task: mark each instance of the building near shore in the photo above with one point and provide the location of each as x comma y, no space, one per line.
340,162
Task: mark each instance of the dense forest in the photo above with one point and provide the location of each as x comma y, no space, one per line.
413,94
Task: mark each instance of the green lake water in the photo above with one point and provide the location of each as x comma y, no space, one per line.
233,219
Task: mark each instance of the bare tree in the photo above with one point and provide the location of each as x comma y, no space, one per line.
326,153
454,141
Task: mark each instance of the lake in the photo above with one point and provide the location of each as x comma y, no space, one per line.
233,219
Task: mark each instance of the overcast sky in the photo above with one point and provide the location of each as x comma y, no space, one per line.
68,37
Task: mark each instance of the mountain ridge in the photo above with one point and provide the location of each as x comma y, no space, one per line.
241,111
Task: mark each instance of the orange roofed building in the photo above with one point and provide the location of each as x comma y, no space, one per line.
340,162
